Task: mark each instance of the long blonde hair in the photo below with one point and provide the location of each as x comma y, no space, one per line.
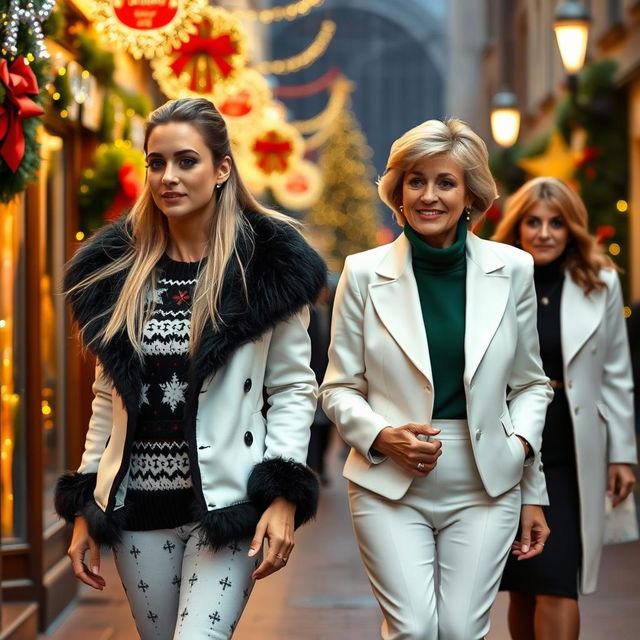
147,236
584,256
431,138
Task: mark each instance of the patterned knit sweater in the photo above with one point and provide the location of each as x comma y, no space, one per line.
160,493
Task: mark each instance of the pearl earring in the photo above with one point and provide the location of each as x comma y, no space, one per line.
401,209
219,185
467,213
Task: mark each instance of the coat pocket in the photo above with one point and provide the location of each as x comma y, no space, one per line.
505,420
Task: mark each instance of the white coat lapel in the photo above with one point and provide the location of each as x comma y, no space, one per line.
487,295
397,303
580,315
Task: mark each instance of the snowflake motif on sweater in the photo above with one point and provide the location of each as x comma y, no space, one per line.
159,493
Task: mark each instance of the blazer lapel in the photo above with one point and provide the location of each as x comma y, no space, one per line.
397,304
487,295
580,315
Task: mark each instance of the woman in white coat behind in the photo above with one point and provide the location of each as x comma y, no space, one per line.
428,333
589,440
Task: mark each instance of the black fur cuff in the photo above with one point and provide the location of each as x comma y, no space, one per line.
280,478
221,527
73,492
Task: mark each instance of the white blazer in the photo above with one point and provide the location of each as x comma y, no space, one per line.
599,388
379,371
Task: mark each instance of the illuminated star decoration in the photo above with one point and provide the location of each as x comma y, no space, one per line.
557,161
31,17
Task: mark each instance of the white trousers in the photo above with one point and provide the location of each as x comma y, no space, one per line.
435,557
178,588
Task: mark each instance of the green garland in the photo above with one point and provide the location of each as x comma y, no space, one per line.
100,183
11,184
602,176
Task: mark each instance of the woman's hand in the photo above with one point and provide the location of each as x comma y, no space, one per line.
526,445
277,525
403,446
534,532
621,481
81,541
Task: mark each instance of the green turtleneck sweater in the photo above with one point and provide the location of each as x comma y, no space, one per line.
441,278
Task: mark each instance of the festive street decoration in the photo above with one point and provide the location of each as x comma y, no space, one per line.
304,58
111,185
275,14
557,161
346,213
150,28
244,101
275,148
205,61
300,187
20,85
31,14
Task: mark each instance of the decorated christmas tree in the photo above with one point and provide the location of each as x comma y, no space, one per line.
346,215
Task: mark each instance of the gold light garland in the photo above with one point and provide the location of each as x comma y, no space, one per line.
275,14
304,58
145,41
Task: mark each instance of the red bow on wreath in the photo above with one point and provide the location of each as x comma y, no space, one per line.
217,49
274,151
20,83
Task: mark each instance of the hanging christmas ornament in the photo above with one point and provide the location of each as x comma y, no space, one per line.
300,187
32,15
147,28
557,161
243,101
19,84
206,61
274,148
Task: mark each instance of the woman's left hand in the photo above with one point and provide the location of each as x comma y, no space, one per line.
534,532
621,481
277,526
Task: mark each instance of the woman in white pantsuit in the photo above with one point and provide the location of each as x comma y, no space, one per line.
428,334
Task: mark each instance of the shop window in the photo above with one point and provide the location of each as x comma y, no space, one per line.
51,208
13,495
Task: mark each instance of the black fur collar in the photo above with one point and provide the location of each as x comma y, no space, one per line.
283,274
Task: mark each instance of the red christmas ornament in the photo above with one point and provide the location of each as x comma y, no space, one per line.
273,151
604,232
130,188
20,83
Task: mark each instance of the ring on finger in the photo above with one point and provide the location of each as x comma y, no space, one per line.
420,466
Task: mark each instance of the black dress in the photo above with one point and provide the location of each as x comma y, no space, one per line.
555,571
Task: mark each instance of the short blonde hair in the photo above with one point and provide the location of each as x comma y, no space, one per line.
431,138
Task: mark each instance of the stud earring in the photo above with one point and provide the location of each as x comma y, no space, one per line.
467,213
401,209
219,185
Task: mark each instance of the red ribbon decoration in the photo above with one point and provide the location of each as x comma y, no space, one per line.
274,150
20,83
129,188
218,49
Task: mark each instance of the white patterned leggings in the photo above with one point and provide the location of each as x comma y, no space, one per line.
178,588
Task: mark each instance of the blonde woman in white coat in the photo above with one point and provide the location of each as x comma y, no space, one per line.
195,305
589,440
428,333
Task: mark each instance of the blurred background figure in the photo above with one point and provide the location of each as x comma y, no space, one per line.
320,334
588,442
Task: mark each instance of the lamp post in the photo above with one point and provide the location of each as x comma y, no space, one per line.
571,25
505,118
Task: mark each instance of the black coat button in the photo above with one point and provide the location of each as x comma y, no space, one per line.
248,438
247,385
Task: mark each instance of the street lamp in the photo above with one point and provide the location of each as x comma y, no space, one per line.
505,118
571,24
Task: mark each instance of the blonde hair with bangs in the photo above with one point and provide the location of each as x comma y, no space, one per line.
431,138
584,256
148,237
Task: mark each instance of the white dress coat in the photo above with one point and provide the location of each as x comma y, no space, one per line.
379,371
599,388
